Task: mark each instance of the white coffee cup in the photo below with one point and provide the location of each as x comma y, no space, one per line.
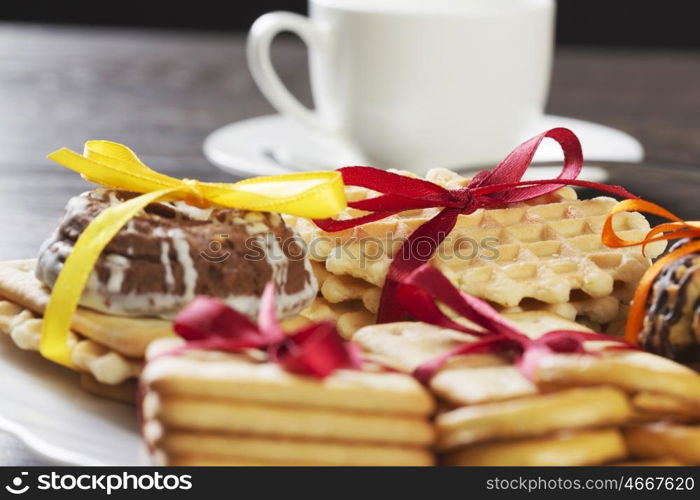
417,84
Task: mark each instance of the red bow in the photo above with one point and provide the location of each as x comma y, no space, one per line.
488,189
420,291
317,350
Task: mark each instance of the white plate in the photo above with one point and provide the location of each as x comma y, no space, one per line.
44,406
274,144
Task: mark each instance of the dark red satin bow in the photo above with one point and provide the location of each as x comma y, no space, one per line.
419,293
316,350
488,189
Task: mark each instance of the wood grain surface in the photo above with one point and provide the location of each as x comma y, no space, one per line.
162,92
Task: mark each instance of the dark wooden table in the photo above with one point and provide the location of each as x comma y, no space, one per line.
163,92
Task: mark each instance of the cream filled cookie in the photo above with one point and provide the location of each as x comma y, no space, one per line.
171,252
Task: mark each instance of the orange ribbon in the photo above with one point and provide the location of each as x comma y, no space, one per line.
663,232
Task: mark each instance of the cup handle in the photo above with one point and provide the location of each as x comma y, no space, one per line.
260,38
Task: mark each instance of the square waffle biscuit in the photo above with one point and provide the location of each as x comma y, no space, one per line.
348,316
605,314
337,289
343,304
543,254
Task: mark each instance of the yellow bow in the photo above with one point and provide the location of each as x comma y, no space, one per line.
313,195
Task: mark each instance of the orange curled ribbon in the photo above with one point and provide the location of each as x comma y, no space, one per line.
674,230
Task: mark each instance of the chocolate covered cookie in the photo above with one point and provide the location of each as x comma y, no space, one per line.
171,252
672,323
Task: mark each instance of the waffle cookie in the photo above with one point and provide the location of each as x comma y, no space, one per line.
348,316
544,254
594,313
337,289
571,413
110,349
211,407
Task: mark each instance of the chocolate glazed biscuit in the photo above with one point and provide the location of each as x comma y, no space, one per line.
672,323
171,252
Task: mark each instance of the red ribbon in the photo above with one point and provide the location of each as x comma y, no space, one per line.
488,189
316,350
419,293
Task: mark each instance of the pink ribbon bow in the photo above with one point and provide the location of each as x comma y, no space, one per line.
316,350
488,189
419,294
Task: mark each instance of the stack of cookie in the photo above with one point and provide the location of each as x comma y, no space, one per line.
212,408
159,262
107,350
578,410
545,254
349,302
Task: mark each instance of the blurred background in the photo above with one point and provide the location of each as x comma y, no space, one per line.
618,23
172,72
179,69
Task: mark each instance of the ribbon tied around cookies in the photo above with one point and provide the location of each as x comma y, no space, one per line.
676,229
211,325
495,188
312,194
420,293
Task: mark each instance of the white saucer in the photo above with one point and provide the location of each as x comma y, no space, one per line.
274,144
44,406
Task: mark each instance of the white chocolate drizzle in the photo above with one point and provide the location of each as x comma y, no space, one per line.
117,265
165,261
189,272
108,297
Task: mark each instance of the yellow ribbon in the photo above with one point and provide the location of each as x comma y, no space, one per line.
313,195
